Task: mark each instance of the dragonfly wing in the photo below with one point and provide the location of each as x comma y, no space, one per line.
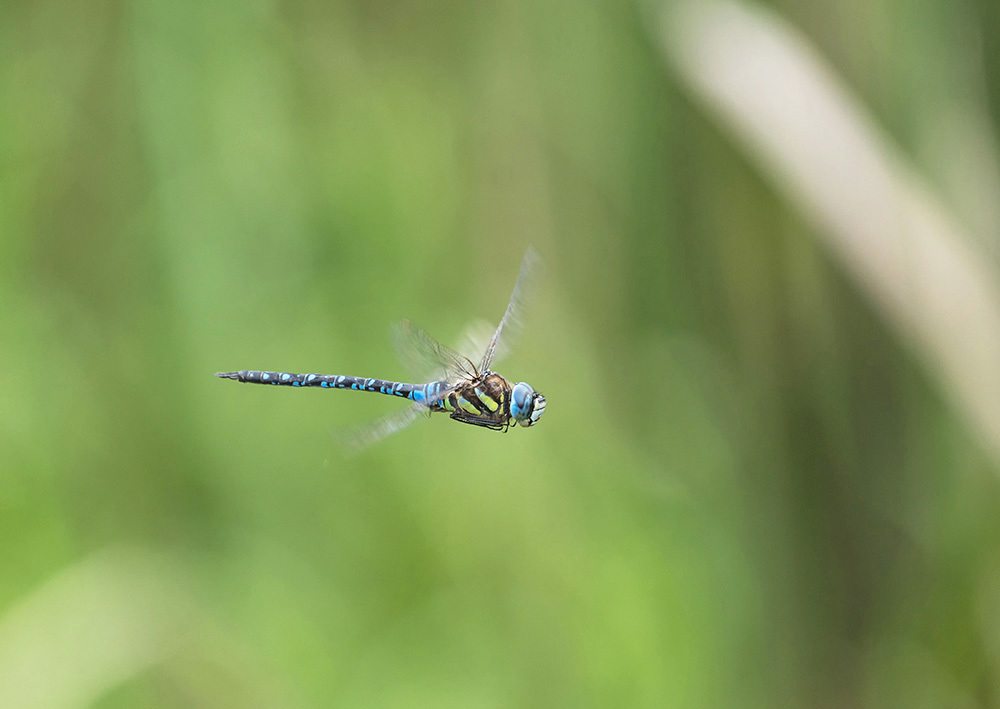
476,337
510,323
426,358
356,440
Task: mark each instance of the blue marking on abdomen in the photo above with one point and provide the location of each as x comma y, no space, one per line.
419,393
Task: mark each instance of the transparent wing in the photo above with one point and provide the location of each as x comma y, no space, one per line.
476,338
428,361
426,358
355,440
527,277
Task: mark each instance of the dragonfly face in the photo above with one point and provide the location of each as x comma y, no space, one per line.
526,404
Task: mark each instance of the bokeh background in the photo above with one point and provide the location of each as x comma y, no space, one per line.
760,480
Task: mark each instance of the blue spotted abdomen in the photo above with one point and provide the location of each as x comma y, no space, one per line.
415,392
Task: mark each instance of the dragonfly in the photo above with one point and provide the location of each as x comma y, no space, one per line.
468,393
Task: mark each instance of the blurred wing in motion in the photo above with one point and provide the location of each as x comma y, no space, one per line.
426,359
429,362
511,324
355,440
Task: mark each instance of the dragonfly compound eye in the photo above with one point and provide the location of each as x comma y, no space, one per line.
526,405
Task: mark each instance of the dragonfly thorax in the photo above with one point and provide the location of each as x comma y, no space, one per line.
526,404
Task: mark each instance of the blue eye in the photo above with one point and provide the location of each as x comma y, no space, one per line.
521,401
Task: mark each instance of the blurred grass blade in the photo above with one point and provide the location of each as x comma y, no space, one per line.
92,627
805,129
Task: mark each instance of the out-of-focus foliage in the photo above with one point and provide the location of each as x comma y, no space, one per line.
747,490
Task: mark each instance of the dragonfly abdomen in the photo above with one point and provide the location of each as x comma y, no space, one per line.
416,392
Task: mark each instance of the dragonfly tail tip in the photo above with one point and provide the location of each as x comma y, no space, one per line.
228,375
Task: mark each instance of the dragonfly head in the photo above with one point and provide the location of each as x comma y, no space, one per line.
526,404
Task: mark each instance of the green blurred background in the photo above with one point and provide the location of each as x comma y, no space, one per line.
747,490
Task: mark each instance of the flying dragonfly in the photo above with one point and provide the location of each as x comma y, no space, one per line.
466,392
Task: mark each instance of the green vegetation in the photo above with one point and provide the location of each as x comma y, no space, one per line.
751,488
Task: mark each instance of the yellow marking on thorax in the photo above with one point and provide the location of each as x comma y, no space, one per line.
491,405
